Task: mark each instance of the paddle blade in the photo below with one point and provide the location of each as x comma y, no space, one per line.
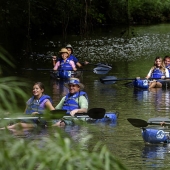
108,80
138,122
103,65
57,114
96,113
101,70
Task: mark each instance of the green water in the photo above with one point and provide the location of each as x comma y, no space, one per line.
130,57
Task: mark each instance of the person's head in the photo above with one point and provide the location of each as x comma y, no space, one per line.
69,48
158,62
64,53
38,89
74,85
166,60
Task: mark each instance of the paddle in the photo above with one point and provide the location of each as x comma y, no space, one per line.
143,123
113,79
96,113
96,70
53,114
159,119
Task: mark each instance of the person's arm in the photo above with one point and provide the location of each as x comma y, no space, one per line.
83,103
54,58
149,74
73,65
49,106
60,104
166,73
56,65
78,64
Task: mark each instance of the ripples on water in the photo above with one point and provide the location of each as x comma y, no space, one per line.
130,57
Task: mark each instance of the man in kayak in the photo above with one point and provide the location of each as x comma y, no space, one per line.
167,62
76,101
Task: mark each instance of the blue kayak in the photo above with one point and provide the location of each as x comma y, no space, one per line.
144,84
66,74
109,118
155,135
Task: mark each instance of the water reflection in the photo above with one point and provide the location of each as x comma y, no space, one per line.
154,155
158,96
58,90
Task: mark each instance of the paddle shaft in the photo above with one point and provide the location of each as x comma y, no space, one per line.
47,69
143,123
115,79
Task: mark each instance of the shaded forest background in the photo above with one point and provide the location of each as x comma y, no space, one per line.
21,21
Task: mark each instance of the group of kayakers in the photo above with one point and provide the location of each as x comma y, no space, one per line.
76,101
66,62
159,72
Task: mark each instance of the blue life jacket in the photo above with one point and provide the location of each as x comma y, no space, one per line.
37,105
73,58
65,69
65,65
70,102
168,67
157,73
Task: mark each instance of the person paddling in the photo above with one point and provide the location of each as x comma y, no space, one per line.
158,71
37,104
64,65
76,101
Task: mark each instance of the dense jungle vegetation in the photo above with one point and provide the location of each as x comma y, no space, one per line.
34,17
22,21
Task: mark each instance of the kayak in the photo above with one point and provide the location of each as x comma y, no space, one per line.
155,135
144,84
109,118
66,74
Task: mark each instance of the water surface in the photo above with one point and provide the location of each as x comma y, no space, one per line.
130,56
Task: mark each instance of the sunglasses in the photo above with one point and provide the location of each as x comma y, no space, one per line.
73,85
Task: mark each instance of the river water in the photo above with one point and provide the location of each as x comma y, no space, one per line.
131,55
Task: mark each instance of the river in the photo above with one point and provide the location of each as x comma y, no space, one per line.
131,55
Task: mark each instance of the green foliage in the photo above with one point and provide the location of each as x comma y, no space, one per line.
11,88
149,11
55,152
34,17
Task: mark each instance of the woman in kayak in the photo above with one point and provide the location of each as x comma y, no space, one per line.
36,105
158,71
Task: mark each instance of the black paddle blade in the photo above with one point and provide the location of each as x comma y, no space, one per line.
108,80
138,122
57,114
96,113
